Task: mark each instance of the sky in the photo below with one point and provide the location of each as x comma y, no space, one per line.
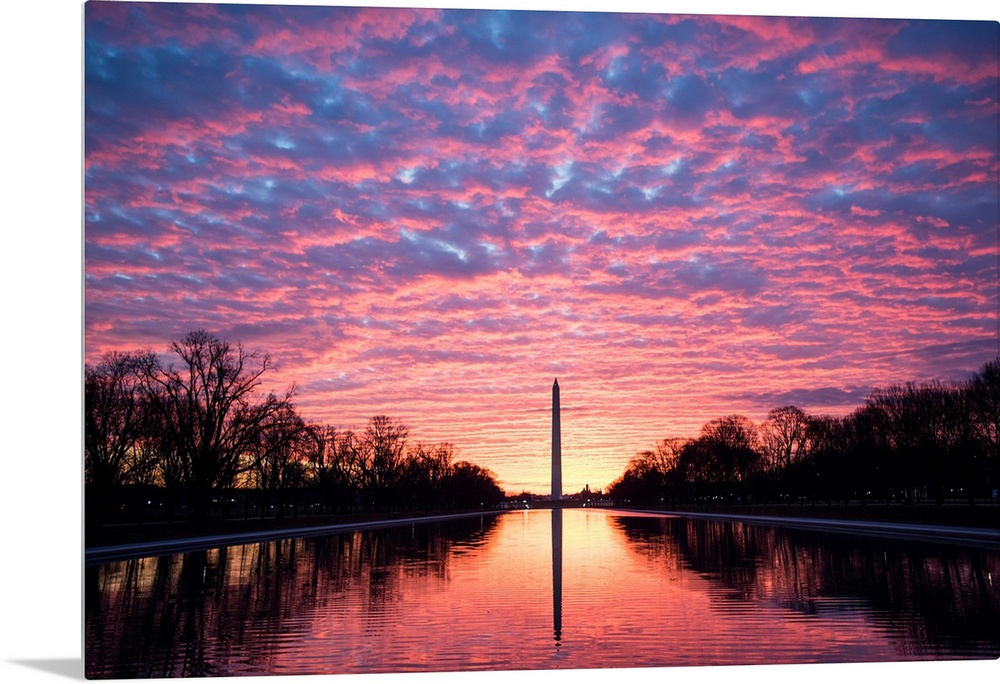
432,214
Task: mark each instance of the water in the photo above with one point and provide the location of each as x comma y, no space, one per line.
541,590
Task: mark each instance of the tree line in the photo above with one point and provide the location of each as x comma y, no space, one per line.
197,433
912,443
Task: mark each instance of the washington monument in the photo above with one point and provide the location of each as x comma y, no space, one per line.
556,445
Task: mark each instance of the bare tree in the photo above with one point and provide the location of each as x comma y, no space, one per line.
114,424
211,412
330,466
984,389
281,455
823,471
784,436
470,486
384,444
732,442
943,436
666,454
891,413
352,453
425,469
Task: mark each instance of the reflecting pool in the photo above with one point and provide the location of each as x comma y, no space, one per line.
541,590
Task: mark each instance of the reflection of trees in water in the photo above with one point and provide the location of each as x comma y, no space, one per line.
939,600
225,611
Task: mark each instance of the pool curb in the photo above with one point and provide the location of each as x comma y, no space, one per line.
117,552
938,533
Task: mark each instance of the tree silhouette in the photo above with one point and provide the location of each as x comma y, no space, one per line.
470,486
115,420
281,457
380,459
984,388
211,413
784,436
425,472
732,443
331,468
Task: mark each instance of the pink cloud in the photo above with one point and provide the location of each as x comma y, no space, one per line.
436,238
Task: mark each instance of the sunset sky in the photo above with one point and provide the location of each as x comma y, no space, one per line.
432,214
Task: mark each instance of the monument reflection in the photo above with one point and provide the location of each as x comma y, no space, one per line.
557,552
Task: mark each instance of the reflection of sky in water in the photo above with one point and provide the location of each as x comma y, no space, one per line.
478,594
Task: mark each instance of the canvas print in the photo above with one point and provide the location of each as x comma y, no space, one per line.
438,340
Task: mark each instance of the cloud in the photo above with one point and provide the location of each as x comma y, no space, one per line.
807,398
411,209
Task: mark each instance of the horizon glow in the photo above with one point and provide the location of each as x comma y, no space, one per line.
431,214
